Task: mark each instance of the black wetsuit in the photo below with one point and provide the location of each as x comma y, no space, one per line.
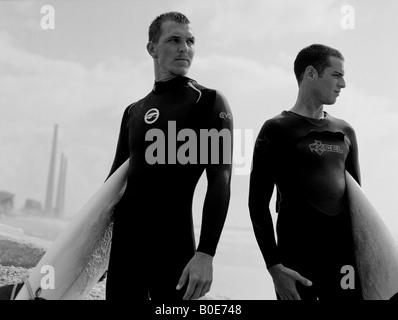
306,159
153,237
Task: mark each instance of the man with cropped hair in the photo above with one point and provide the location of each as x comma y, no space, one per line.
305,152
153,254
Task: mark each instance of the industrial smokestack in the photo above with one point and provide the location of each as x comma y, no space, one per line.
64,186
60,206
50,182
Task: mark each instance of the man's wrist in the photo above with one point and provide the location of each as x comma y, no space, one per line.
204,255
275,269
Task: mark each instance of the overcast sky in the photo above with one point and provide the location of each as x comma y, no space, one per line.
83,73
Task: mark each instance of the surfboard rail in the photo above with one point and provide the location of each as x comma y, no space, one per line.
80,254
376,251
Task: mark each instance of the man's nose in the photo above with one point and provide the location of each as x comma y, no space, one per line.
183,47
342,83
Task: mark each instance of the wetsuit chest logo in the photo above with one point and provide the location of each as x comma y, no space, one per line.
151,116
320,148
225,116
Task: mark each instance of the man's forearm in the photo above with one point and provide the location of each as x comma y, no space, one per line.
214,213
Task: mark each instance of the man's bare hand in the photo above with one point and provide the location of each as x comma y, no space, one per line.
285,282
199,274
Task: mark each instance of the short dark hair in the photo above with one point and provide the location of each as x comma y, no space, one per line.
155,29
316,55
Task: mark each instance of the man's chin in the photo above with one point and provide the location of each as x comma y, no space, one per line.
181,71
330,102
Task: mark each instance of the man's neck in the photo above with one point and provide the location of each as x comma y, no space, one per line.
308,108
165,78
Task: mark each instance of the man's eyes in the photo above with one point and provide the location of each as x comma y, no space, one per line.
177,40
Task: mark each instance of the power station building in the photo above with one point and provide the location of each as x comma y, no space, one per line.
6,203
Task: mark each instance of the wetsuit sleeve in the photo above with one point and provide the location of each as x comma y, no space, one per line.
122,149
352,161
218,179
262,181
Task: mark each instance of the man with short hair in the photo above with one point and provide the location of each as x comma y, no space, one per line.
153,252
305,153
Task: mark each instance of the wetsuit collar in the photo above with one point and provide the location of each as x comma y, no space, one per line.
316,122
164,86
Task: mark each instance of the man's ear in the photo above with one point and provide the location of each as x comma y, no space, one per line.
151,49
311,72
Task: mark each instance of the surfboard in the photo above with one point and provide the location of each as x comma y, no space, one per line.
376,251
80,254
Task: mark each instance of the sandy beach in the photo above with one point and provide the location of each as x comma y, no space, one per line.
239,269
